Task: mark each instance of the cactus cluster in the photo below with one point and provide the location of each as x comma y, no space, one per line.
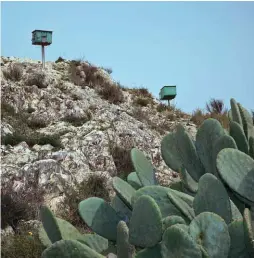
207,214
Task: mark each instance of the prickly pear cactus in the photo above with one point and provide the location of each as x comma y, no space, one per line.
145,223
237,170
50,225
100,217
143,167
70,249
176,242
212,196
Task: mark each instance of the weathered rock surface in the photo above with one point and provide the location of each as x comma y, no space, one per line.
86,147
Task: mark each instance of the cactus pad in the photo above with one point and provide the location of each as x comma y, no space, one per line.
123,190
186,210
207,134
96,242
145,223
70,249
159,194
212,196
237,171
143,168
236,131
188,153
248,232
176,242
134,181
169,152
210,230
237,244
50,225
100,217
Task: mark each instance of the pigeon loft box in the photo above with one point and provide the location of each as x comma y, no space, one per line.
42,37
168,92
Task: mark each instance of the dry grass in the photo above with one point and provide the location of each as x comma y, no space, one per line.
38,79
23,132
78,120
21,246
121,156
111,92
199,116
141,101
14,72
215,109
23,205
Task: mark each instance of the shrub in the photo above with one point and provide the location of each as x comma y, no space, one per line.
37,79
23,205
31,139
108,70
22,246
121,156
161,107
59,59
13,73
215,106
95,185
37,123
77,121
199,116
142,91
111,92
143,102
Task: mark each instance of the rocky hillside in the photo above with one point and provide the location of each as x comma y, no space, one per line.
71,120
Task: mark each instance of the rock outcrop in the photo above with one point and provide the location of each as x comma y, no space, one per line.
92,133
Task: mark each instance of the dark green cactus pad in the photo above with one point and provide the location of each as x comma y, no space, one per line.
237,170
235,112
123,190
50,225
176,242
212,196
210,230
236,214
143,167
186,210
251,145
100,217
188,182
145,223
169,152
134,181
185,197
183,226
172,220
248,232
236,131
67,231
207,134
247,121
96,242
188,153
237,243
124,249
70,249
153,252
225,141
160,195
120,207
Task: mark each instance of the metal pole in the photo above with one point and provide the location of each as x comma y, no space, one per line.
43,56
